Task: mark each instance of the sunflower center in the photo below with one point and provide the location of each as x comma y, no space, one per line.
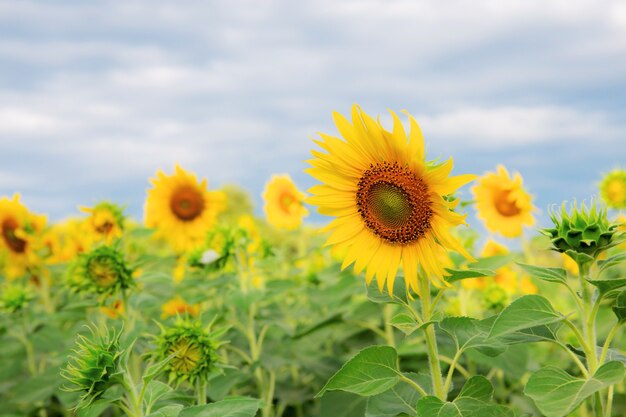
187,356
616,191
102,272
14,243
393,202
505,205
105,227
285,201
187,203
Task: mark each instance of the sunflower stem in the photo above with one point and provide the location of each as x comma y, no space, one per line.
201,391
387,315
431,339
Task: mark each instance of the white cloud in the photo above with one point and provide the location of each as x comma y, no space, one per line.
509,126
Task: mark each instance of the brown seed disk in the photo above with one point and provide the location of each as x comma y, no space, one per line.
186,203
393,202
17,245
504,205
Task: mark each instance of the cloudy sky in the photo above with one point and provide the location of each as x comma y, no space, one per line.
96,96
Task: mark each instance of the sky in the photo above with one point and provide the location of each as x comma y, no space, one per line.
95,97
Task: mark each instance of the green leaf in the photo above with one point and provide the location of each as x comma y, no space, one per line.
459,274
525,312
545,273
154,391
477,387
606,286
472,333
556,393
579,257
404,322
619,308
471,402
399,292
612,261
172,410
228,407
96,408
400,399
342,404
372,371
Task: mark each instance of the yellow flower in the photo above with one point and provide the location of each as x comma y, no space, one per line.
19,236
526,286
613,189
106,221
388,201
247,223
491,248
182,209
283,203
502,203
570,264
177,306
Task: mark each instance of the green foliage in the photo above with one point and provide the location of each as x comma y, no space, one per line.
474,400
557,393
372,371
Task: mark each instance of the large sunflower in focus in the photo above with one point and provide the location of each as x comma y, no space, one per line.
502,203
182,209
19,236
388,201
283,207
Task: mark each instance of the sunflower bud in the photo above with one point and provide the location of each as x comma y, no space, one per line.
94,367
583,234
14,298
191,349
101,271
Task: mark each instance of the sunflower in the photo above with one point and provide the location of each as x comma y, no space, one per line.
177,306
392,207
283,203
106,220
182,209
502,203
19,236
613,189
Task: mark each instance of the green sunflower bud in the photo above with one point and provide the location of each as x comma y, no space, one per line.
95,365
583,234
495,297
14,298
102,271
191,349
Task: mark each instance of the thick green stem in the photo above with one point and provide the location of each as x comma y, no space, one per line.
387,316
431,340
589,330
201,391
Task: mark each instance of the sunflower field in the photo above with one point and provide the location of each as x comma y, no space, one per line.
394,307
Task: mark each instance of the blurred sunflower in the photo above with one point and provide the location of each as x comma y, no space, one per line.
64,241
182,209
502,203
388,201
106,220
19,236
613,189
178,306
283,207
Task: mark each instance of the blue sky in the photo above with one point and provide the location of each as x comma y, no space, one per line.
96,96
